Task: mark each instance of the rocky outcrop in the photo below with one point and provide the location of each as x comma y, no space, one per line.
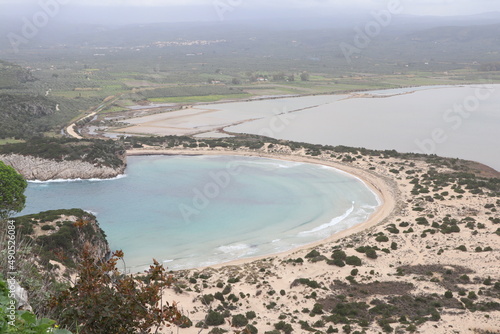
33,168
21,296
62,236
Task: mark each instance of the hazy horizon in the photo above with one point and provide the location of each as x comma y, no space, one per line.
119,12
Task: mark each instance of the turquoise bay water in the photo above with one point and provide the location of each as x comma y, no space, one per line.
190,211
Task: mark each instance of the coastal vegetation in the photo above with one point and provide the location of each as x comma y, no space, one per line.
60,235
95,151
23,321
104,300
12,187
24,116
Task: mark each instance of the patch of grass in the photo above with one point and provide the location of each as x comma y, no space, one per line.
10,141
194,99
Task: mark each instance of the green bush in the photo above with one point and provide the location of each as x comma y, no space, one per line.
353,260
339,255
306,281
251,329
382,238
22,321
312,254
371,253
227,289
214,318
317,309
219,296
336,262
251,315
239,320
207,299
283,326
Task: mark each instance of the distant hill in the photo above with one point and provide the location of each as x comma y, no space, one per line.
24,116
12,75
454,34
25,111
21,115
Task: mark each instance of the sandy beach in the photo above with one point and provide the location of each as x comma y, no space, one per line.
270,286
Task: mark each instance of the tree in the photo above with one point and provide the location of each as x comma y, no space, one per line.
304,76
103,300
279,76
12,186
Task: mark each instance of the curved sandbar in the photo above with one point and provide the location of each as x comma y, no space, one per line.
382,189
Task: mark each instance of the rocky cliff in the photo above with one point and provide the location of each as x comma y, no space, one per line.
33,168
62,235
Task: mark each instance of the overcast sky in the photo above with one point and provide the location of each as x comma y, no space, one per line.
211,10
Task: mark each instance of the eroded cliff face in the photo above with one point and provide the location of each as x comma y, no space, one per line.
33,168
61,236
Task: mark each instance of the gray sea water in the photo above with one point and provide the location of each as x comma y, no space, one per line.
190,211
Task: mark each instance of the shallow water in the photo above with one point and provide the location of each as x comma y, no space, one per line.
457,122
201,210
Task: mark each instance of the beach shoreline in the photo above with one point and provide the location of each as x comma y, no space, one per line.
431,237
415,255
385,193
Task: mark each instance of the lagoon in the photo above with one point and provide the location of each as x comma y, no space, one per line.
458,122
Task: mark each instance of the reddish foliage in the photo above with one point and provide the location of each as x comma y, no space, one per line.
104,300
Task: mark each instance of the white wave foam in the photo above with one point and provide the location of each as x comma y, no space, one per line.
274,163
77,180
233,248
333,222
275,240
